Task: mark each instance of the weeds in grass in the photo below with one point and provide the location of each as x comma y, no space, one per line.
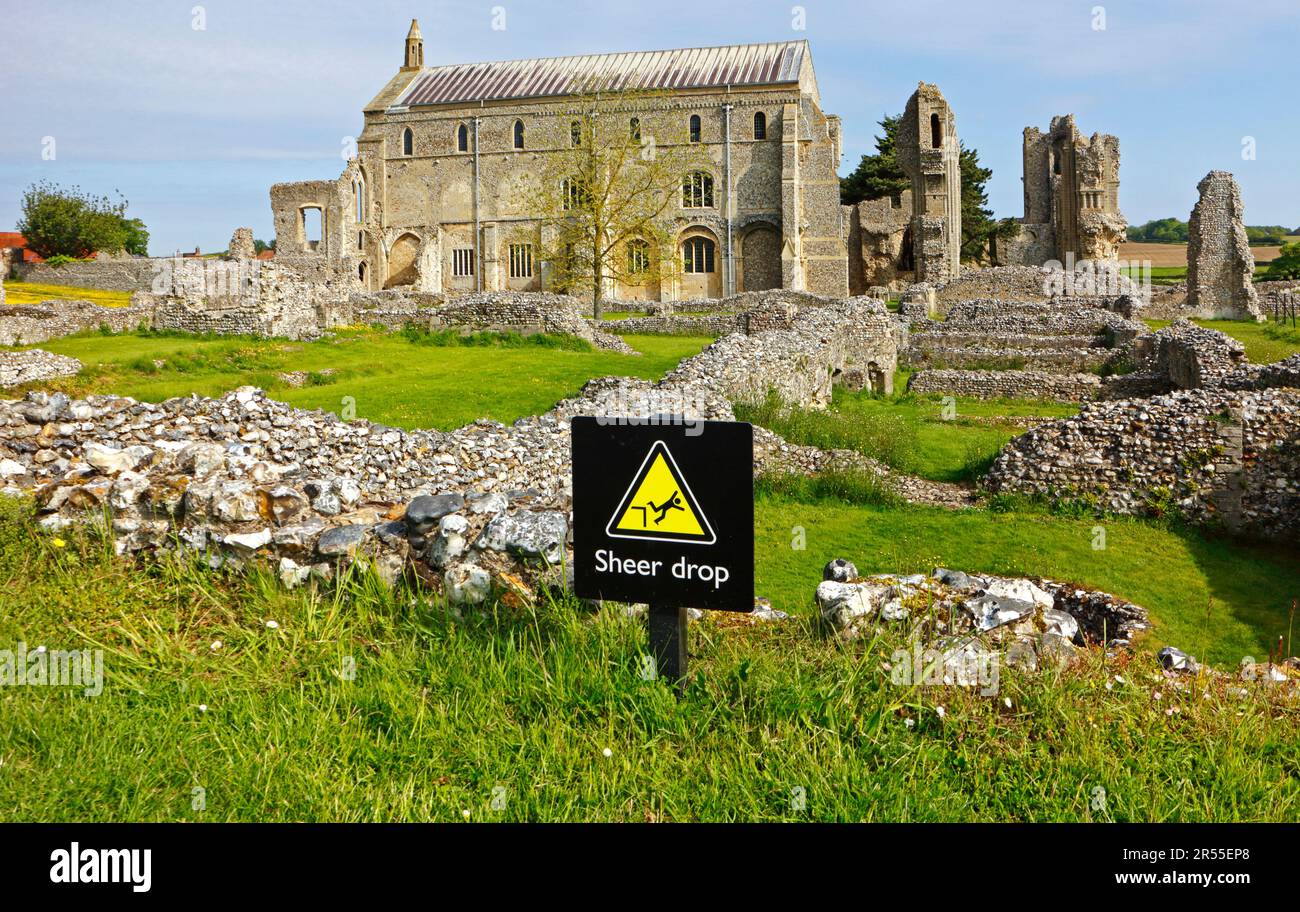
850,486
887,438
418,335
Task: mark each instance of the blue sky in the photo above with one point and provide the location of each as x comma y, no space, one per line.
194,125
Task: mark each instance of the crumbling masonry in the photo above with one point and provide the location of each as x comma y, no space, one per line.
1071,198
930,155
1219,261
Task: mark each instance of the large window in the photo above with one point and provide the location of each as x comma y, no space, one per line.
697,255
521,261
571,194
462,262
760,125
697,190
638,257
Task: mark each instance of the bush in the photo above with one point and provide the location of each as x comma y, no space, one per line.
1287,264
68,224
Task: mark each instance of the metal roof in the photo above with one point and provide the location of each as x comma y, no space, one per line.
686,68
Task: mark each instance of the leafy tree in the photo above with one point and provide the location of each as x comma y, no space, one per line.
879,175
261,246
1287,264
71,223
1160,231
607,197
137,237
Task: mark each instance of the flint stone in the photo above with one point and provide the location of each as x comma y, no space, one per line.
467,584
1019,590
840,571
449,544
841,602
953,578
1176,660
527,534
427,509
249,541
340,541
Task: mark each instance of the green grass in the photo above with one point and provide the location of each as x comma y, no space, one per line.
908,431
35,293
1160,275
1265,342
399,379
1215,598
366,704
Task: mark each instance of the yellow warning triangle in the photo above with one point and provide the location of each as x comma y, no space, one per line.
659,505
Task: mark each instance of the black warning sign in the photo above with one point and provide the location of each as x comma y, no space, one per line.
663,512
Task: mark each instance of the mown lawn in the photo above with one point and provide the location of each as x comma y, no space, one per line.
35,293
408,381
365,704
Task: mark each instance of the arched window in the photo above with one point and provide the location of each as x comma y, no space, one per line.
936,132
361,272
575,132
697,190
634,129
519,134
638,257
697,255
408,142
571,194
462,138
361,240
760,125
695,128
359,190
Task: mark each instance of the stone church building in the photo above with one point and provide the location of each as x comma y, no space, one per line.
432,199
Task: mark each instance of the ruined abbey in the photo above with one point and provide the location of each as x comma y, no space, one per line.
434,199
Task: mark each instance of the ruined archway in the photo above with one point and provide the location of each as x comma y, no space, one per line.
402,259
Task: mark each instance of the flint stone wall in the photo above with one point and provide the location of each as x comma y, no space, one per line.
1216,456
108,274
58,317
34,366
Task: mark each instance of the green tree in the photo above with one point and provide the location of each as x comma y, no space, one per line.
137,237
879,175
607,196
71,223
1287,264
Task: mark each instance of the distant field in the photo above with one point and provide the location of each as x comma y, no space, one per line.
35,293
1176,254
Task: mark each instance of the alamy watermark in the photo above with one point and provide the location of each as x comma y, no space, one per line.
41,667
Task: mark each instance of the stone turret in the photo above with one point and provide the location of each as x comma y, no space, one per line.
414,59
930,155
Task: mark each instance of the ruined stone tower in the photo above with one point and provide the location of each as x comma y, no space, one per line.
1071,197
1219,260
930,155
414,48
